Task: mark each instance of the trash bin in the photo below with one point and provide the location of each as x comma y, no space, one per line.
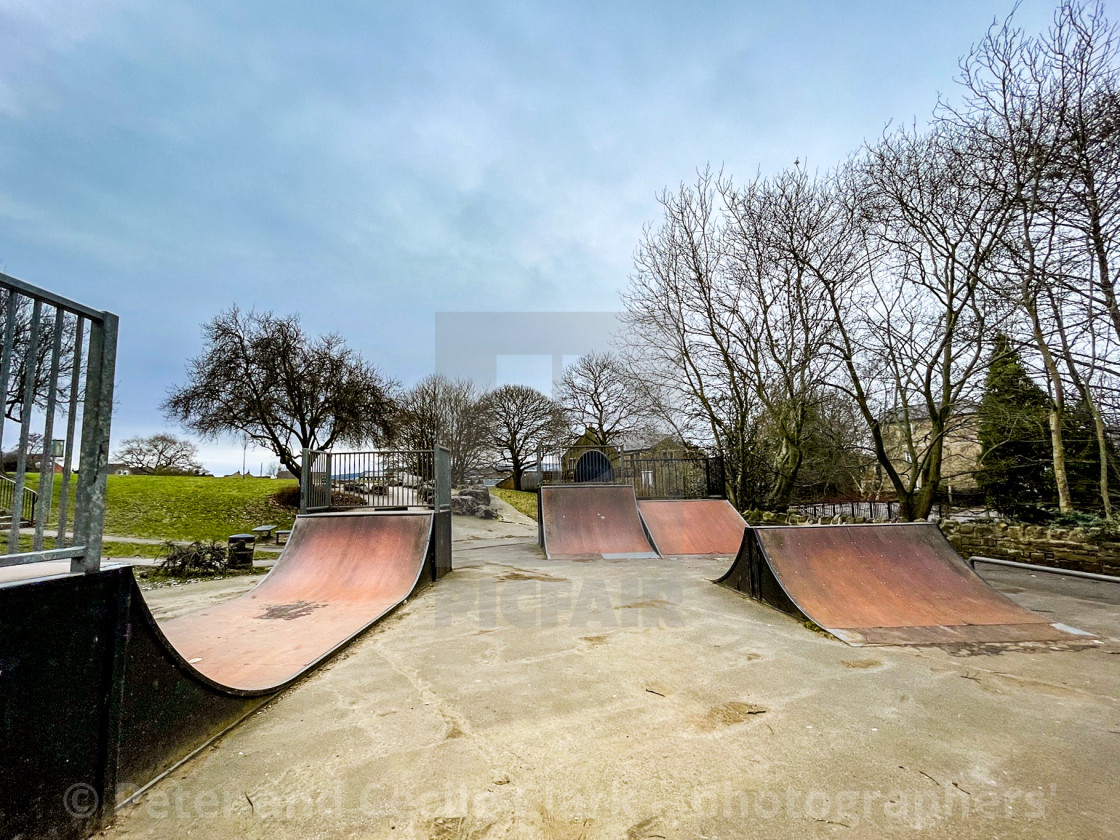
241,551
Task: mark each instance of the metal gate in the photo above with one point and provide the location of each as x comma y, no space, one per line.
384,479
653,476
56,377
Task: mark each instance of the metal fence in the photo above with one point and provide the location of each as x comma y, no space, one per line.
874,511
394,479
56,368
653,476
8,507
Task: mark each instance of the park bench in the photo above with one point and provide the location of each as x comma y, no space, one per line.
285,533
263,532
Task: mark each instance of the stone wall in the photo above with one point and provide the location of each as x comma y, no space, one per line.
1084,549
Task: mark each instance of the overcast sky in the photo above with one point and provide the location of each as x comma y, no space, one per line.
368,164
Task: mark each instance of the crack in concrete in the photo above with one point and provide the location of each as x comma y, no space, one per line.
458,725
1021,680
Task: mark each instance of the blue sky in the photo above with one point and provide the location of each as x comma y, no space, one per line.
368,164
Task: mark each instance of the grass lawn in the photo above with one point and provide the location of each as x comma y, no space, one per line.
110,549
520,499
190,507
179,507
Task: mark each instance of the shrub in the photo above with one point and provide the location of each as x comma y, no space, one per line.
198,559
347,500
1109,528
288,497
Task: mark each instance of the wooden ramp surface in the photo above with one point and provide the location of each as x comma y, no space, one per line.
693,526
593,520
882,584
338,574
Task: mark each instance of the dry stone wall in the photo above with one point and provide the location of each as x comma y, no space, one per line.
1084,549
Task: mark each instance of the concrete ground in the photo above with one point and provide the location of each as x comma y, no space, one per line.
525,698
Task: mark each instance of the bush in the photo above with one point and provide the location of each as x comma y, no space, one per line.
347,500
1110,530
288,497
1029,514
1052,518
198,559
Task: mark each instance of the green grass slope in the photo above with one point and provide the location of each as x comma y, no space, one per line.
191,508
521,500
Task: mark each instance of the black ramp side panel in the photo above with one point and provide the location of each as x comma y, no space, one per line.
57,639
751,575
95,701
737,577
70,741
441,544
167,711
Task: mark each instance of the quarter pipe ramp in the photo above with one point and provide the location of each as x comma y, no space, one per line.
693,526
580,521
338,574
98,696
881,585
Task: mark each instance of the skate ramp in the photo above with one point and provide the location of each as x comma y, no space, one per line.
881,585
593,521
109,699
338,574
693,526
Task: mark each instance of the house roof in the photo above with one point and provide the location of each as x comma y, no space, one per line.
642,440
551,462
629,442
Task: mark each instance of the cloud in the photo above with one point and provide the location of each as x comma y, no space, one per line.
369,164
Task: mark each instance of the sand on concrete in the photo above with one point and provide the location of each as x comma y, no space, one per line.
526,698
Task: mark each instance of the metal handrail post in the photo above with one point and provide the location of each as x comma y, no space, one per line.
93,467
304,481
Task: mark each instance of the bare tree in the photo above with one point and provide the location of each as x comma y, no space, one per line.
599,397
438,410
679,335
909,327
260,374
1045,112
519,420
48,321
1083,48
888,279
161,454
1082,53
1010,109
780,233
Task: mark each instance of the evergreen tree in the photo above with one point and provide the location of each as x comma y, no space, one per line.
1083,457
1015,470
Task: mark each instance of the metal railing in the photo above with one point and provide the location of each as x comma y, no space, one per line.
379,479
56,366
875,511
7,500
653,475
